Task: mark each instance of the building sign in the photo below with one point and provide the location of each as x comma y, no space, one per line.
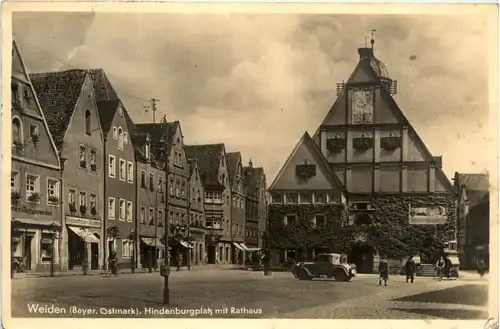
31,211
70,220
427,215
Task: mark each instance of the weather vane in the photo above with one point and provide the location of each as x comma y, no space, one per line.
372,41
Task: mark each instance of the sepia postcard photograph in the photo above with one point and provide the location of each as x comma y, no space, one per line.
249,161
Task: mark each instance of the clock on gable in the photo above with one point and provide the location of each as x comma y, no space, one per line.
362,105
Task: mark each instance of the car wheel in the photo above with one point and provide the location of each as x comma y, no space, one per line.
342,276
303,275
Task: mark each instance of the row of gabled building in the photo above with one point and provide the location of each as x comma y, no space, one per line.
86,180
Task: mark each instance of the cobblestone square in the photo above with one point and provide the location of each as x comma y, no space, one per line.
248,294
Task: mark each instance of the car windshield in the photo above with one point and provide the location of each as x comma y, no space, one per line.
322,258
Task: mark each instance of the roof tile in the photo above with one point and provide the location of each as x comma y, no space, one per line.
58,93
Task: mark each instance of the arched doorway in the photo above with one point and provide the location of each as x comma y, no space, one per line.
364,256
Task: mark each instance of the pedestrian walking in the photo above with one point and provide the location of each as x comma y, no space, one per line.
179,262
481,267
410,268
383,269
266,262
440,267
112,262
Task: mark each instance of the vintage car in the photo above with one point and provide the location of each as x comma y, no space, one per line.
325,265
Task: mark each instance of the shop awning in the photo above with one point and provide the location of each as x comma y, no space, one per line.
85,234
244,246
253,249
237,245
153,242
35,222
186,244
148,241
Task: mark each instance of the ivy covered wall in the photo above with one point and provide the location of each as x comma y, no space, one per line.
390,233
302,234
397,238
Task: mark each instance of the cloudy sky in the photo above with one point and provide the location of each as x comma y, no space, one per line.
257,82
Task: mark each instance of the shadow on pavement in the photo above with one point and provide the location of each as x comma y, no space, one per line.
469,294
447,314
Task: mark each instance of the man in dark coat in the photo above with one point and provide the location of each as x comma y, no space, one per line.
481,267
440,267
383,268
410,268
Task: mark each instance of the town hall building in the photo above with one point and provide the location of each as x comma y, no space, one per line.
399,201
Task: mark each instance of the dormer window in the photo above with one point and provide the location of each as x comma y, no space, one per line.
146,151
17,130
88,122
14,93
120,138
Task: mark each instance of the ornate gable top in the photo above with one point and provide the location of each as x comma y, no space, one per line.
232,164
366,54
208,157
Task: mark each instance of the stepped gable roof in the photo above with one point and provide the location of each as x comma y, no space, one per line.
232,164
208,157
58,93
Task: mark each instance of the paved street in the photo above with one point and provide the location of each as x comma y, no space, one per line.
279,295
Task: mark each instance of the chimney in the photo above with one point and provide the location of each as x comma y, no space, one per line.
365,53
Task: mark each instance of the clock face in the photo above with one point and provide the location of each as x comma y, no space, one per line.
362,105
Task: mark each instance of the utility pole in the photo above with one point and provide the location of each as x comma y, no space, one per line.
188,195
166,263
152,107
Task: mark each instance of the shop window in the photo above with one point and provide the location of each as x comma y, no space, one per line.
46,251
